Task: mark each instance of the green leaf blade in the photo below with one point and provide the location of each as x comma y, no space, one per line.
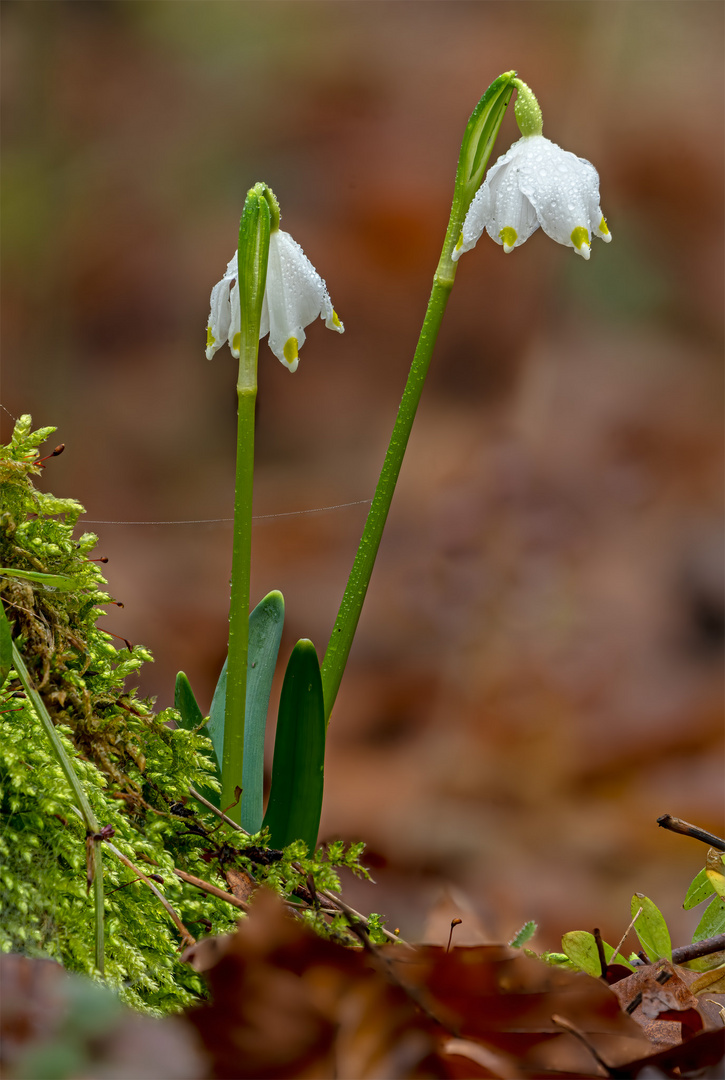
581,949
712,922
295,801
265,633
651,928
700,888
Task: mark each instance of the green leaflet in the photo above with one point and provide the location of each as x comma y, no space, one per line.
700,888
295,800
265,634
581,948
712,922
651,928
523,935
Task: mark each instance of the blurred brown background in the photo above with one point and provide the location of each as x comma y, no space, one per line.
537,674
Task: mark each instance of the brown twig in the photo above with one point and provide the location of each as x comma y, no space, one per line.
621,943
675,824
206,887
698,948
600,950
186,937
567,1025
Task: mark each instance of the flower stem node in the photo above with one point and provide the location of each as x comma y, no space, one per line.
536,183
294,296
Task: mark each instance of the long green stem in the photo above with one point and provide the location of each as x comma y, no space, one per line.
233,753
252,256
81,799
478,141
343,632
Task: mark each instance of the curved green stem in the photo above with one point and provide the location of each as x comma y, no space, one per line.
84,807
478,142
343,632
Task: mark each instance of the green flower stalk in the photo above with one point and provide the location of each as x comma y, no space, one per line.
270,288
478,142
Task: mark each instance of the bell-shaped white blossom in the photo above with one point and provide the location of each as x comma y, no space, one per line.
536,183
294,296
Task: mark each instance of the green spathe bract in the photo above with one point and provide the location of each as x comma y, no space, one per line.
295,798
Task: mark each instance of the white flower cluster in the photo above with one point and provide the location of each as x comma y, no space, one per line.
294,296
536,183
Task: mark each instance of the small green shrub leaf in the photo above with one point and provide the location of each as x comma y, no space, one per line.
700,888
712,922
581,949
651,928
295,800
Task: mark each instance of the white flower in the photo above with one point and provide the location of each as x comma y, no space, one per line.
294,296
536,183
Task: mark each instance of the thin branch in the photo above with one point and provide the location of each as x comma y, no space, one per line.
621,942
186,937
215,810
698,948
567,1025
675,824
206,887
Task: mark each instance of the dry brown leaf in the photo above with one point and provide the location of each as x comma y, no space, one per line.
659,1000
288,1004
506,1001
711,982
240,883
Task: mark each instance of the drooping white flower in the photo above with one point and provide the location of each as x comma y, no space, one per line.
294,296
536,183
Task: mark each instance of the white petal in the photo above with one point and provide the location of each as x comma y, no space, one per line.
235,322
512,219
564,191
295,295
219,316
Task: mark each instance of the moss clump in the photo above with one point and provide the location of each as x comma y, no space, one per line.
135,766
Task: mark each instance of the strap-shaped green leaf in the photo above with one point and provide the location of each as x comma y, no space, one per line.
265,634
295,800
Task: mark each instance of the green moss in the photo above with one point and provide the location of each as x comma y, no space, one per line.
135,766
